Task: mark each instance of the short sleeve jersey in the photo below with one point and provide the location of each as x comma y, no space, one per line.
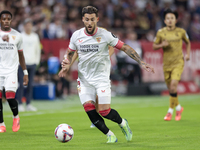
9,59
173,55
94,61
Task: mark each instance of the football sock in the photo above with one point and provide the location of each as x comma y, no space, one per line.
98,121
170,110
16,116
111,114
123,123
173,100
110,133
2,124
13,106
178,107
1,111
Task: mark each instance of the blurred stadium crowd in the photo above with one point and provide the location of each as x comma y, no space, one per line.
130,20
58,19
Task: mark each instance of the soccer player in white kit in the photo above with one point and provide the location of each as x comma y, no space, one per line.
11,53
91,44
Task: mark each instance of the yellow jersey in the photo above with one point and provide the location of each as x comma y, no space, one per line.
172,54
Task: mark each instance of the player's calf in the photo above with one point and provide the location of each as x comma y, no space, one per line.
10,96
111,114
95,118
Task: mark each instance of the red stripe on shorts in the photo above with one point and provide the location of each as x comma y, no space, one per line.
10,95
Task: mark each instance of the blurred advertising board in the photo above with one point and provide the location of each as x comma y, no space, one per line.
191,70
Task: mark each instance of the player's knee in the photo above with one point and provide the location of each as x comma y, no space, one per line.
172,90
104,113
89,107
10,95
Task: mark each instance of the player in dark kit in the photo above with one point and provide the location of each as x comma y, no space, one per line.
11,53
91,44
170,39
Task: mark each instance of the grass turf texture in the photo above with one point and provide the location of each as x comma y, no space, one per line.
144,114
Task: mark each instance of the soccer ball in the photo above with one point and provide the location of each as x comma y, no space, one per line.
64,133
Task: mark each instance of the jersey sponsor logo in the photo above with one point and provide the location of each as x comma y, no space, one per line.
89,48
80,41
98,39
114,35
13,37
6,46
103,91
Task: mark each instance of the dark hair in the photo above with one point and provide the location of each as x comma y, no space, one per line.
89,10
5,12
170,11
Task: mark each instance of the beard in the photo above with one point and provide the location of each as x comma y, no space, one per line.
90,32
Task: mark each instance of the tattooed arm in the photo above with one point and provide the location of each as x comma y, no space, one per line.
68,60
133,54
68,56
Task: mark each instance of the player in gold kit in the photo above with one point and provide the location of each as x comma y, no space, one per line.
170,40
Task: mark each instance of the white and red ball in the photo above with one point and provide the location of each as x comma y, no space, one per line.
64,133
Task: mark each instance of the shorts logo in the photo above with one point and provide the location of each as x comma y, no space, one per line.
80,41
103,91
13,82
79,89
98,39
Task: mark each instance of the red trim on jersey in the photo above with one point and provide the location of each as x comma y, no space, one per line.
119,44
91,34
6,31
105,112
20,50
89,107
0,95
10,95
71,49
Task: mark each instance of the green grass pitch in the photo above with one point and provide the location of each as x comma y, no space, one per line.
144,114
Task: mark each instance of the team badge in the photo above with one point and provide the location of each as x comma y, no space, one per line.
98,39
13,37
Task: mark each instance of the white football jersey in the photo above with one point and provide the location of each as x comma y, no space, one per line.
9,59
94,61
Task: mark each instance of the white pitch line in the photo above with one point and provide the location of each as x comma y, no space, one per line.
42,113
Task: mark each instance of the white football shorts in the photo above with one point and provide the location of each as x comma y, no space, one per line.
88,92
9,82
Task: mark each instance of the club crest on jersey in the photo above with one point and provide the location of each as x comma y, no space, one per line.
98,39
13,37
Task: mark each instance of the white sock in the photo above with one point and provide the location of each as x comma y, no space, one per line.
170,110
123,123
16,116
178,107
110,133
2,124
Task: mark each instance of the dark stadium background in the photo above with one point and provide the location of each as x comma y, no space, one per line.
55,21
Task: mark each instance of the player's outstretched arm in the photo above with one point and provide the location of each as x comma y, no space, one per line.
23,65
133,54
66,64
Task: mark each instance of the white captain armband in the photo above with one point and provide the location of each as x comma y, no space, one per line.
25,72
